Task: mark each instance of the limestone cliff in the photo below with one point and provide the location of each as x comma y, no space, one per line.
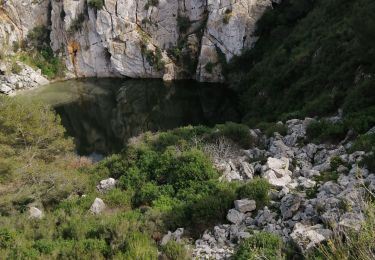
169,39
166,39
17,17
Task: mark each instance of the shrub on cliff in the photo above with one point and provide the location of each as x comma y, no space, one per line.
96,4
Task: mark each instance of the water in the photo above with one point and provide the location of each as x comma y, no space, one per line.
102,114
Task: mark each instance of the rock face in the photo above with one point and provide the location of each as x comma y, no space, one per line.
172,39
17,17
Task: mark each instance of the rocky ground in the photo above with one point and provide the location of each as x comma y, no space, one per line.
303,204
306,203
24,78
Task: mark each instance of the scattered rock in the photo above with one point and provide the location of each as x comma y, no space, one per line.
307,237
98,206
35,213
106,185
235,216
245,205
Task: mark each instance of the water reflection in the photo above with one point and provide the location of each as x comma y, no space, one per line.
103,114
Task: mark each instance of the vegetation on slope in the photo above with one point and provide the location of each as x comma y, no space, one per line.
37,52
312,58
165,181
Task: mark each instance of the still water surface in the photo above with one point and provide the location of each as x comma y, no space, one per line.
102,114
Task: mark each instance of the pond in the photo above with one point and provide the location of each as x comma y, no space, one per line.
102,114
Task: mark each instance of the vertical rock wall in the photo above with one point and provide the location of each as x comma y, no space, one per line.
169,39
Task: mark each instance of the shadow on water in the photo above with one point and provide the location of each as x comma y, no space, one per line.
101,114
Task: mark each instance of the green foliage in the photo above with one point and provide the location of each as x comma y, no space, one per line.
326,131
312,58
175,251
257,189
209,67
270,128
39,54
32,128
139,246
96,4
76,24
16,68
261,245
227,16
151,3
351,244
154,59
183,23
238,133
364,143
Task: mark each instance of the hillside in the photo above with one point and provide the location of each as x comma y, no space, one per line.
312,58
294,180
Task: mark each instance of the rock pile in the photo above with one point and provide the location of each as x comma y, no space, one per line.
305,207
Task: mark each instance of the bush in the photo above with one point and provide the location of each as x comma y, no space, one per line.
351,244
325,131
270,128
32,127
96,4
76,24
257,189
16,68
227,16
238,133
261,245
151,3
139,246
364,143
183,23
39,53
175,251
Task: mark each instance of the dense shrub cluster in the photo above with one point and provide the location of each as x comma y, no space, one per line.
38,53
312,57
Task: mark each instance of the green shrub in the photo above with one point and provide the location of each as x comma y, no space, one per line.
183,23
175,251
32,126
351,244
270,128
257,189
209,67
151,3
96,4
76,24
238,133
227,16
369,160
139,246
154,59
16,68
39,54
364,143
118,198
325,131
261,245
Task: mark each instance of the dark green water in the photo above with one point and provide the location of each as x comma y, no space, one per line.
102,114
